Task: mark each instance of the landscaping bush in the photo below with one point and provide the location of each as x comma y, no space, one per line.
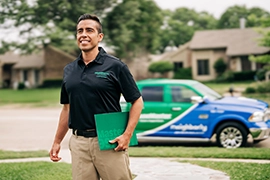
51,83
227,76
220,66
250,90
161,67
21,86
264,87
183,73
244,75
261,74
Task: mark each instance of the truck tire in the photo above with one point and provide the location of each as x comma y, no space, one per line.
231,135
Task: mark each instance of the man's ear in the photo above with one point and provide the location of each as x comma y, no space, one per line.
100,35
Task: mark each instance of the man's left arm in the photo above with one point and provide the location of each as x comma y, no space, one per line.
134,115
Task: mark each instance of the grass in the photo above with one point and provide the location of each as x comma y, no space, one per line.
22,154
50,97
199,152
32,97
237,170
35,170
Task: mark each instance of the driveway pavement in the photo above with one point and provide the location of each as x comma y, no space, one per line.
34,129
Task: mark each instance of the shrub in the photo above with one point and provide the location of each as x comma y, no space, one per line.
220,66
161,67
21,86
183,73
244,75
228,76
264,87
51,83
250,90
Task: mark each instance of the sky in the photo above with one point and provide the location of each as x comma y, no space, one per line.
214,7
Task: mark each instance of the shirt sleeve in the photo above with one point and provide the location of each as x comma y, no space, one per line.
128,85
64,95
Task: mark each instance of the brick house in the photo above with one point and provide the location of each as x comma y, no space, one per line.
32,69
232,45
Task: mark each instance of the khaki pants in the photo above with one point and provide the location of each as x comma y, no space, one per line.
89,163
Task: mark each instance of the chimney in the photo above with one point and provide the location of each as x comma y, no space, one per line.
242,23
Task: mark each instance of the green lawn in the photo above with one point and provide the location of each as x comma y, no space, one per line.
238,170
35,171
22,154
31,97
50,97
199,152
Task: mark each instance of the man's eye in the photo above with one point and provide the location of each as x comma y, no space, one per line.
79,31
89,30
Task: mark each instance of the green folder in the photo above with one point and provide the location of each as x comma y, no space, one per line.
111,125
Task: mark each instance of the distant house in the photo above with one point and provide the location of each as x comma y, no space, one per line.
232,45
32,69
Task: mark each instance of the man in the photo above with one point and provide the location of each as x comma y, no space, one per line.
92,84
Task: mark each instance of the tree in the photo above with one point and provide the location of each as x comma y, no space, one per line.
231,17
132,28
180,25
264,41
46,22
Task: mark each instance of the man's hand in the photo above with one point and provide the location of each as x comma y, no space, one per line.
54,153
122,141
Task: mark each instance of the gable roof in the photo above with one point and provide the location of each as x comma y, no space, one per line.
237,42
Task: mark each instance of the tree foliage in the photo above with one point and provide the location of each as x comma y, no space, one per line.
231,17
180,25
46,22
132,28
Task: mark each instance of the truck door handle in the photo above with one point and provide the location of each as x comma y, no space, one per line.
176,108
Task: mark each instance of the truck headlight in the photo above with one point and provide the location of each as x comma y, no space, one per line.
256,117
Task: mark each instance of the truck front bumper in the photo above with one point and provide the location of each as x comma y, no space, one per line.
259,133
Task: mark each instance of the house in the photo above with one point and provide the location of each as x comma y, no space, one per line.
232,45
32,69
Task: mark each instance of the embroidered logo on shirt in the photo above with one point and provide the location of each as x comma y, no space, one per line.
102,74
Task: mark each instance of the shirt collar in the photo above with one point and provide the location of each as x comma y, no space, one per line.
98,59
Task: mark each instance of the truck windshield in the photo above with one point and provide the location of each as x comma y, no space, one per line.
206,91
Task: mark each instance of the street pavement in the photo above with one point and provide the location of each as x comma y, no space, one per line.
34,129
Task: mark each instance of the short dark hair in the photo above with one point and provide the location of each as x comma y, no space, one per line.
92,17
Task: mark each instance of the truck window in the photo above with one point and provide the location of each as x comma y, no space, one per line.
181,94
152,93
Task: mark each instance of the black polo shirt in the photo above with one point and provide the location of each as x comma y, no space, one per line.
96,88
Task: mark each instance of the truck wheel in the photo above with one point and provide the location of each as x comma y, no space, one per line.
231,135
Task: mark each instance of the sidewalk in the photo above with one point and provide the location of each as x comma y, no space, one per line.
152,168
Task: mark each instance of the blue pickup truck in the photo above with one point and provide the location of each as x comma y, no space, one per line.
189,111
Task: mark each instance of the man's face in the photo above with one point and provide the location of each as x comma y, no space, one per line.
87,35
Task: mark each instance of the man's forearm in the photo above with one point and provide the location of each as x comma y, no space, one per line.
134,115
62,125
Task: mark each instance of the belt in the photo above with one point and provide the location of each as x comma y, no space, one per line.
85,133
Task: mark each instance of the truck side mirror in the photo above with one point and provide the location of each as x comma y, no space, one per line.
196,99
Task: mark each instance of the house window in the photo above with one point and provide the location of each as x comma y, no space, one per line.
178,65
203,66
152,93
25,75
245,63
36,76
